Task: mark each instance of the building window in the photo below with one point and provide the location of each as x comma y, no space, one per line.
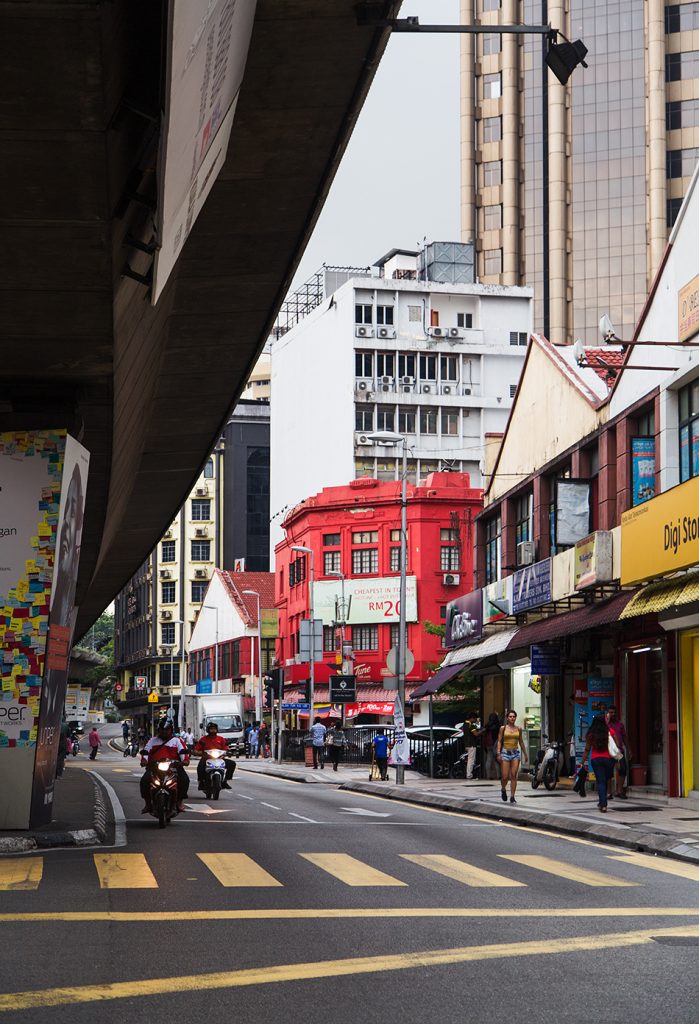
428,367
225,661
328,638
364,364
365,638
167,551
331,540
385,364
363,467
681,162
492,217
414,314
365,561
363,313
394,560
680,66
645,424
464,320
297,571
201,510
492,129
681,17
198,590
493,531
406,421
406,365
331,562
519,338
492,86
689,431
449,558
493,261
513,390
395,634
384,315
492,172
428,421
167,634
209,469
450,422
492,43
201,550
524,517
682,114
385,417
167,593
386,469
673,208
448,369
491,5
364,417
365,537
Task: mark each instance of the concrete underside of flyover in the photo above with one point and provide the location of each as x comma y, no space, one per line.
147,389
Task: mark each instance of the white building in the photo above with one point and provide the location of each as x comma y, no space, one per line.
436,362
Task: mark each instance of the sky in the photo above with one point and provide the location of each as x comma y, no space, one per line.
399,180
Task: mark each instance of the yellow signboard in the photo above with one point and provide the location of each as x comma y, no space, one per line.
688,309
662,535
270,623
153,697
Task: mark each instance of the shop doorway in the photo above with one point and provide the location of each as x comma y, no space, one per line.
526,701
645,713
689,695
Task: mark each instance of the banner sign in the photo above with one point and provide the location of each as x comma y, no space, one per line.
661,536
204,686
688,310
642,469
464,619
372,600
546,660
270,623
593,560
531,586
400,752
497,601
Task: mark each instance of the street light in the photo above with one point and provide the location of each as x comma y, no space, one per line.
389,438
175,622
311,578
214,608
258,692
343,621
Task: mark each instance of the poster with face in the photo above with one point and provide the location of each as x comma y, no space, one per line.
62,617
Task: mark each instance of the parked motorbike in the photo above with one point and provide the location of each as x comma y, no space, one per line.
214,773
459,768
548,765
162,785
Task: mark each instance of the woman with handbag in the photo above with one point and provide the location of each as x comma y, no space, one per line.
603,751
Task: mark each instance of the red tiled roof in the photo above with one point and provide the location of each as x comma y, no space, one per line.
606,362
261,582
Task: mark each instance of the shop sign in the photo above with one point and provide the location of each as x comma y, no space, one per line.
600,696
203,686
269,619
642,469
497,601
343,689
369,601
688,310
464,619
593,560
139,682
546,660
531,586
661,536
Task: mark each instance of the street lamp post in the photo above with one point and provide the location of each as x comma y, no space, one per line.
343,621
214,608
176,622
390,438
258,690
311,579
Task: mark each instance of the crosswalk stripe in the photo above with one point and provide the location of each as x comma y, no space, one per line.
350,870
460,871
20,873
124,871
237,870
668,867
562,870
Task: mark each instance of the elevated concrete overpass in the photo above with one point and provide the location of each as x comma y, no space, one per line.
147,389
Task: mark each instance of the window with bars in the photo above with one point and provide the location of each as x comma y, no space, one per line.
297,571
493,536
449,558
365,638
519,338
365,561
201,509
201,550
167,551
167,593
331,562
513,390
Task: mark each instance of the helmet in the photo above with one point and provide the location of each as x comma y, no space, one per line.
212,725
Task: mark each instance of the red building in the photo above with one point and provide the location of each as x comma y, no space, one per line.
354,531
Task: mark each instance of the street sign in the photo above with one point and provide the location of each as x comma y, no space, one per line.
343,689
392,661
295,706
118,687
153,697
311,639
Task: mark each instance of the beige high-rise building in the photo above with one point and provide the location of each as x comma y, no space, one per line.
623,138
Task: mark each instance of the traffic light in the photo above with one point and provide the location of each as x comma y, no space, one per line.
276,682
307,692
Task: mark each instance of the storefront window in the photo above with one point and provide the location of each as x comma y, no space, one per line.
527,703
689,431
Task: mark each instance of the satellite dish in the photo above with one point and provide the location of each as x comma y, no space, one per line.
579,352
606,329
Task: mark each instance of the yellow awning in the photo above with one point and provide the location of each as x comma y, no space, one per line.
658,597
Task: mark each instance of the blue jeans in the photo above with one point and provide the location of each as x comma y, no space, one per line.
603,767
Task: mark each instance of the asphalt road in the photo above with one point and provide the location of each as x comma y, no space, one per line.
288,902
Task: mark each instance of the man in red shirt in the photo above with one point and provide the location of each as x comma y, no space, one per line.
212,741
165,747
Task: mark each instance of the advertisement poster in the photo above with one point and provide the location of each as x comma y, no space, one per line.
371,600
580,720
600,695
464,619
642,469
400,752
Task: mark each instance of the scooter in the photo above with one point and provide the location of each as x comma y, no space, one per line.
162,785
74,744
458,769
214,772
548,766
131,748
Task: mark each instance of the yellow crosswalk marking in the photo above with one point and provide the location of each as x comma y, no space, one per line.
460,871
124,871
237,870
668,867
350,870
562,870
21,872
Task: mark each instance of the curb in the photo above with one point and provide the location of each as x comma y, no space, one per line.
277,773
49,840
635,839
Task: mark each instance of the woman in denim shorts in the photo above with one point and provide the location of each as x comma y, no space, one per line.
510,751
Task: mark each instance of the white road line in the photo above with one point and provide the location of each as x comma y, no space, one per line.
304,818
243,797
270,805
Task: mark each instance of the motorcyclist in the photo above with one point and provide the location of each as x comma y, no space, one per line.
212,741
164,747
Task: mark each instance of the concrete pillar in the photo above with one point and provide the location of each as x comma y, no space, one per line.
607,479
541,527
468,126
657,137
511,120
558,186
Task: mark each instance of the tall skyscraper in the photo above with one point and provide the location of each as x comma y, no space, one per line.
586,221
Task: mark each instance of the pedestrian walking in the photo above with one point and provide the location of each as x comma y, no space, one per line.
621,767
253,737
187,738
125,732
491,730
509,752
381,747
94,741
263,740
335,743
318,732
597,745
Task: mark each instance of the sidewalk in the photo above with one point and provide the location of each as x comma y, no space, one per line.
82,816
642,824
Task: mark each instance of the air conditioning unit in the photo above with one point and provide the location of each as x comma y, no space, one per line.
166,615
450,579
362,439
455,332
201,492
201,531
467,391
165,650
200,574
426,388
407,389
165,574
364,332
362,385
407,380
387,387
387,380
385,332
437,332
448,389
526,552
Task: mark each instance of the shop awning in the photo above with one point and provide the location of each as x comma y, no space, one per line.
436,682
658,597
493,644
600,614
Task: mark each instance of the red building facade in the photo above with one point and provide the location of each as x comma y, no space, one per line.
354,531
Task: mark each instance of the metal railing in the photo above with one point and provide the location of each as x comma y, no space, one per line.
357,749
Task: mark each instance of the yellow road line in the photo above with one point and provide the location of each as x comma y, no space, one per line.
124,871
20,873
460,871
668,867
571,871
332,913
269,975
237,869
350,870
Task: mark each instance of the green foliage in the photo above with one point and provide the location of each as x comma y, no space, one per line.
433,629
100,640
